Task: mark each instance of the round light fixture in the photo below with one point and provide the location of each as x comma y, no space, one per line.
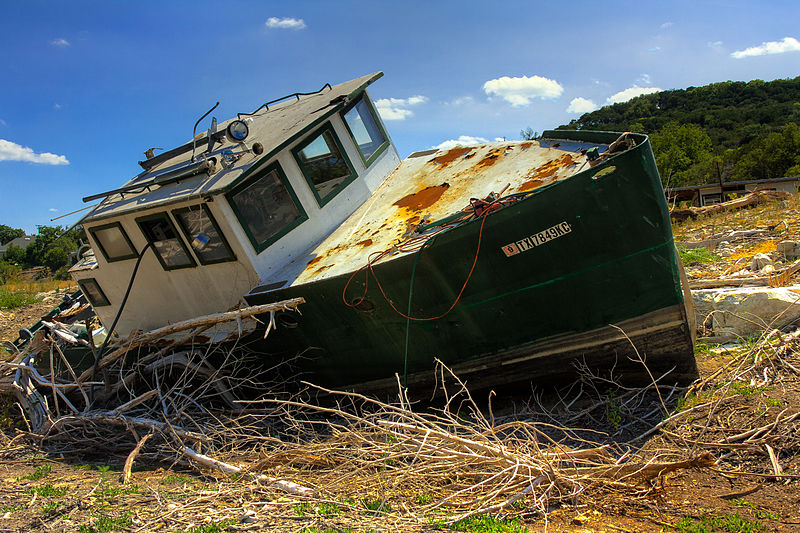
237,131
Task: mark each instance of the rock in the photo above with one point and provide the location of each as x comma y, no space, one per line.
768,269
746,311
789,249
759,261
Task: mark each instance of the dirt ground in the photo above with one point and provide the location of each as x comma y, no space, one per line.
41,492
745,490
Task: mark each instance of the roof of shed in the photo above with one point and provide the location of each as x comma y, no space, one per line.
274,127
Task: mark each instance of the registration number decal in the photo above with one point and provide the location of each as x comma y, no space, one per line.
537,239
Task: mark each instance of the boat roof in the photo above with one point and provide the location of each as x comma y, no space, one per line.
429,186
275,126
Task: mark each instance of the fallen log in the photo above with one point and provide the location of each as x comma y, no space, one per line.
753,198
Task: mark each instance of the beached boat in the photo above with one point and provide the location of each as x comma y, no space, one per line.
507,261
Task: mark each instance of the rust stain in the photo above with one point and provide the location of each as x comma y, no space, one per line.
450,156
315,260
414,219
537,177
526,145
321,269
424,198
530,184
364,243
490,159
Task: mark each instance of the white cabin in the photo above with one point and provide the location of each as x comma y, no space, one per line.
231,209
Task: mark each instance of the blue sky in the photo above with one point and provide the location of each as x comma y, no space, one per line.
88,86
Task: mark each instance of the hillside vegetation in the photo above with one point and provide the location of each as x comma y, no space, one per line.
733,130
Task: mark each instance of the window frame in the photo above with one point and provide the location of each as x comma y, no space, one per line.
261,246
187,235
382,148
165,214
84,281
99,243
328,126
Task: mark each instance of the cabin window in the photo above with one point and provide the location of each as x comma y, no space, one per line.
168,246
366,131
113,242
266,207
93,292
324,165
203,234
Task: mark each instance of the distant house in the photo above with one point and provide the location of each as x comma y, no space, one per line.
22,242
712,193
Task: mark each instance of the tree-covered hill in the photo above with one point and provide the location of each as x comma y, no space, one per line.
743,130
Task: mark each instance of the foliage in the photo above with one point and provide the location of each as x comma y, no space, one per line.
8,271
697,255
727,522
15,255
12,300
7,233
752,128
528,134
681,152
488,523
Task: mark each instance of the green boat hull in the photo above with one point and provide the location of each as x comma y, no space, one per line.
591,276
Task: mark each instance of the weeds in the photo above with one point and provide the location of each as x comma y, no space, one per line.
612,409
379,506
769,515
697,255
488,524
39,473
213,527
47,491
13,300
107,523
733,523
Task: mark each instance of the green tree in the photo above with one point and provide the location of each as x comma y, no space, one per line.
55,257
7,233
15,255
678,148
528,134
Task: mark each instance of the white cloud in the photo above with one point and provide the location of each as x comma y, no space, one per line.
52,209
714,44
653,49
60,42
56,106
463,140
396,108
464,100
581,105
630,93
520,91
286,23
14,152
3,122
788,44
667,25
645,79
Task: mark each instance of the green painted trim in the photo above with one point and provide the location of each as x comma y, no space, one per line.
132,255
328,127
204,207
165,215
367,161
261,246
87,281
